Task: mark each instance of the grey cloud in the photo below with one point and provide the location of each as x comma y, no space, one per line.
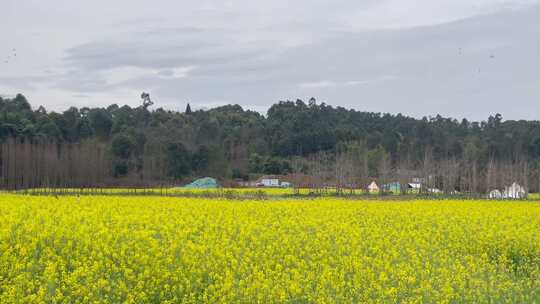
445,69
23,83
257,53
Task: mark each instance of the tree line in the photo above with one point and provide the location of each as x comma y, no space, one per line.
318,143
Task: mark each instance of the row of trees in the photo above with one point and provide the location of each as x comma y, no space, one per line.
137,145
26,164
353,167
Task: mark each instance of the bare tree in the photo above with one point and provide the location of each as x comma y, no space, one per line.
385,170
428,172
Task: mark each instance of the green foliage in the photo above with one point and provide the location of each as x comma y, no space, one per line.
268,165
120,168
178,160
101,122
201,159
123,145
230,141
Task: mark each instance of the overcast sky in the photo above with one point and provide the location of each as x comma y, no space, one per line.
458,58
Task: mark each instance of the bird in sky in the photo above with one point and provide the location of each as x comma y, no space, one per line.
10,56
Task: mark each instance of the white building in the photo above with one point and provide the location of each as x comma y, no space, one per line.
373,187
495,194
434,190
270,182
285,185
515,191
416,186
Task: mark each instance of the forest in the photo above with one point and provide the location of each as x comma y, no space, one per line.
319,143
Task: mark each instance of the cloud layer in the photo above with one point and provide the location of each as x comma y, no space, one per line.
457,58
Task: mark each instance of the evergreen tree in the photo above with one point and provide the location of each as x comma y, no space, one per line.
160,144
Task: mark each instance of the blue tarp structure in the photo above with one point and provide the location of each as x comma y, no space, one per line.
203,183
394,187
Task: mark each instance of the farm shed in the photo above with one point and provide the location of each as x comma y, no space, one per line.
373,187
270,182
394,187
495,194
515,191
273,181
285,184
416,186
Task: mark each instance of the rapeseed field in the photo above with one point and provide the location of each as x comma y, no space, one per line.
114,249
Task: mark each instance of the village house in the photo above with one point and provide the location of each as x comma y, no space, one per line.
373,187
272,181
514,191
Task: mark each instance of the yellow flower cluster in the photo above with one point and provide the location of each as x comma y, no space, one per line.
177,191
115,249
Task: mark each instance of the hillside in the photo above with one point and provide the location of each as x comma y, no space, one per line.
229,142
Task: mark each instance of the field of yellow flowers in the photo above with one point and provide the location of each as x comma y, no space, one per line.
114,249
